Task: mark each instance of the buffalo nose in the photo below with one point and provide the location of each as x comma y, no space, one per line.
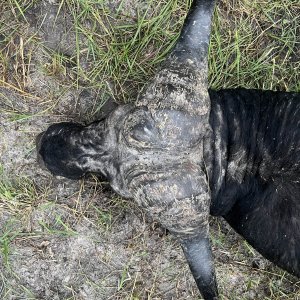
38,142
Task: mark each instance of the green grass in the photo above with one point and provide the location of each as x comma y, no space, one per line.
123,50
8,234
255,44
17,196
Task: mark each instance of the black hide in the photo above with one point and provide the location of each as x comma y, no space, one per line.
254,156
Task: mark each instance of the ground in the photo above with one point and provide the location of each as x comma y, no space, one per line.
73,60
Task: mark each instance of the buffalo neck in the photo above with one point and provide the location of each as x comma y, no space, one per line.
231,146
249,143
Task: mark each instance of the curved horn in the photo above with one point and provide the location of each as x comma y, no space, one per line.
178,101
198,254
181,84
153,152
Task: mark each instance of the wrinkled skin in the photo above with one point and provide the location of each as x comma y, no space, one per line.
182,154
139,163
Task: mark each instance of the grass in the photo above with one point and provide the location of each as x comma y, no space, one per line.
17,196
255,44
123,50
113,49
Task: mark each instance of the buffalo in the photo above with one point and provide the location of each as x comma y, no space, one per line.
184,152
